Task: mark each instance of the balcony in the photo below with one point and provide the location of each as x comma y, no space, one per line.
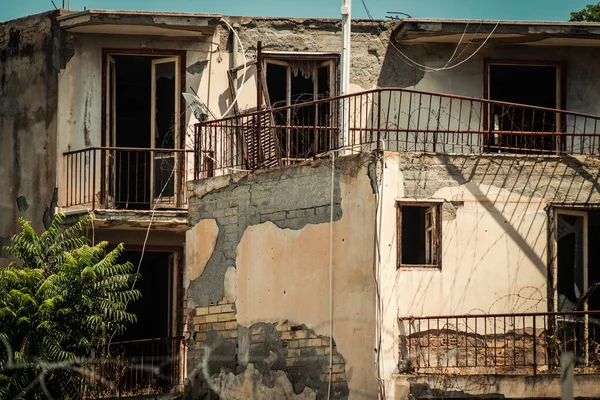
389,119
119,178
506,344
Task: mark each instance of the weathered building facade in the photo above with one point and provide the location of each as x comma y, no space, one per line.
445,230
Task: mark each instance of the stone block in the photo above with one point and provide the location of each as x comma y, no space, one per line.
202,311
227,308
223,317
212,318
231,325
214,309
219,326
294,353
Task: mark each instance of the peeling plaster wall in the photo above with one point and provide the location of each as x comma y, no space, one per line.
494,233
274,230
32,50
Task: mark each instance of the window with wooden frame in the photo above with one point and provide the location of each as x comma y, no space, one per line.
419,233
518,129
294,78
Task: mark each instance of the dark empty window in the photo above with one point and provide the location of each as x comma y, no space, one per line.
419,232
519,129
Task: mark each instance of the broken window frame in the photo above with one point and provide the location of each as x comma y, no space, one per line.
432,232
329,60
561,98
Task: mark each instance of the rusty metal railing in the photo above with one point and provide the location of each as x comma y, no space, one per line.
394,119
137,367
126,178
524,343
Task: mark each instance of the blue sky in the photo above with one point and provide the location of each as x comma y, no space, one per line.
476,9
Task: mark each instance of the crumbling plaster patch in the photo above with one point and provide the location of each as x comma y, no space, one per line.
289,197
274,227
250,385
203,235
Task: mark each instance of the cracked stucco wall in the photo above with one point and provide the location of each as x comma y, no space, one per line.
273,240
32,51
494,233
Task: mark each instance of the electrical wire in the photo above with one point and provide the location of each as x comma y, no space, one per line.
412,63
239,92
426,68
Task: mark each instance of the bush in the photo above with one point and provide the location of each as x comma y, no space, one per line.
60,300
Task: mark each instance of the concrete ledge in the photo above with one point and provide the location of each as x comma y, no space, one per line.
492,386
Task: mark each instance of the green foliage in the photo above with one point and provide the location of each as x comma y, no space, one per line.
591,13
61,300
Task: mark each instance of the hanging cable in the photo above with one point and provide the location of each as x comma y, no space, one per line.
243,75
412,63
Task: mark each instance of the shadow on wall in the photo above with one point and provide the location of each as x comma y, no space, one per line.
395,71
534,182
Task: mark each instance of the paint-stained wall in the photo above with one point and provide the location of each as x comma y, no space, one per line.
273,240
32,50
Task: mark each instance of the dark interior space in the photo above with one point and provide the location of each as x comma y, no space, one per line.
570,258
133,89
302,89
133,92
523,84
152,310
276,84
413,235
594,258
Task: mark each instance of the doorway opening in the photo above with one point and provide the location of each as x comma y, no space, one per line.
577,280
303,131
156,311
142,124
523,130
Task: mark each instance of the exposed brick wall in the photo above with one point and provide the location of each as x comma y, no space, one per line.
293,348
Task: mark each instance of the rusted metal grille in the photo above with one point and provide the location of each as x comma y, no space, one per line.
136,367
392,119
527,343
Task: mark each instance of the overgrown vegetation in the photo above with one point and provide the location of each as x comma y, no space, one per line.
58,302
591,13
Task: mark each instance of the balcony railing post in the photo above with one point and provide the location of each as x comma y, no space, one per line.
259,96
379,120
534,347
93,194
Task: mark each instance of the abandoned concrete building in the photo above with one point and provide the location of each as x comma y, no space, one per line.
432,233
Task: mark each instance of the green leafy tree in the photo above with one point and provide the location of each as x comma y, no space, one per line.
62,299
591,13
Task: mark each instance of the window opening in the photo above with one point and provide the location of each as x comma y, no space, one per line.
142,112
303,131
419,234
535,85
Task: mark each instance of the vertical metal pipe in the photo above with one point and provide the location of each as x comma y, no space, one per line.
345,68
259,96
